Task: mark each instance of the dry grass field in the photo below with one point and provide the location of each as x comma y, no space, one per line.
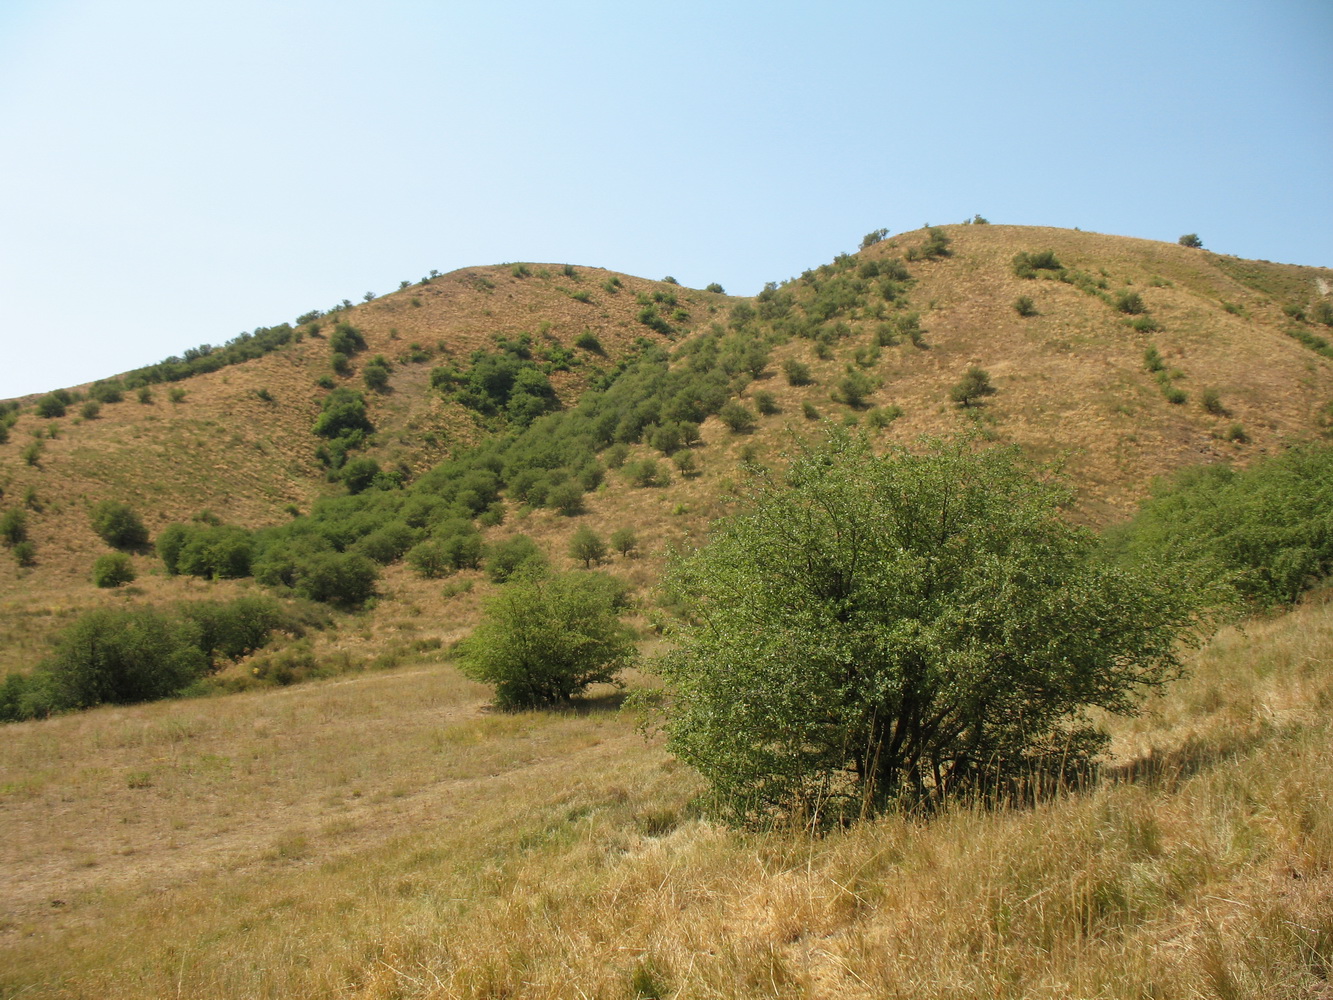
386,835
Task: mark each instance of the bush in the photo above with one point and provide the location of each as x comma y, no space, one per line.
1129,302
1191,240
624,541
25,554
737,416
766,403
50,406
118,525
873,237
840,658
343,578
566,498
973,386
1174,396
346,340
1211,400
1028,263
797,373
1152,359
686,464
518,555
1024,306
376,373
715,287
112,570
853,388
589,342
90,410
809,410
881,416
123,656
14,526
587,547
645,472
544,641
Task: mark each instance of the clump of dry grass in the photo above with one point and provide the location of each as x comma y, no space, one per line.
385,836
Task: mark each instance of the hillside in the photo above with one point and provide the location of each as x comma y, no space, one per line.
385,832
1071,383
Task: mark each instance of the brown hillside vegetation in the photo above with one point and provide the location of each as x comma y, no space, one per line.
1071,385
388,836
383,832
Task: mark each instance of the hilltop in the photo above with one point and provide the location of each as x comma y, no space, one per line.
905,317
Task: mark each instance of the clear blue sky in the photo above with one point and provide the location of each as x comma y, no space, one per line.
173,174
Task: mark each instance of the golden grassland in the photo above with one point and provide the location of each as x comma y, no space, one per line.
387,835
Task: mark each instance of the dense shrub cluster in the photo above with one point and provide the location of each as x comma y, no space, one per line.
123,655
207,358
1265,531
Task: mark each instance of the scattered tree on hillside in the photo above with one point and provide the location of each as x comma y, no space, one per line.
587,547
118,525
1191,240
973,386
874,630
543,641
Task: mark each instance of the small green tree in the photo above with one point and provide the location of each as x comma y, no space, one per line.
1191,240
797,372
737,416
118,525
112,570
1024,306
877,629
973,386
544,641
587,546
566,498
624,541
507,558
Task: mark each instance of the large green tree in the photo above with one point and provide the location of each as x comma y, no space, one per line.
544,640
873,629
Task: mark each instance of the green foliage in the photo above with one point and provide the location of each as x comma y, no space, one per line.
973,386
809,410
1211,400
714,287
765,402
566,498
176,394
1028,263
507,383
853,388
873,237
686,463
343,578
90,410
1144,324
50,407
1024,306
1152,359
518,555
31,453
13,526
737,416
873,630
625,541
346,339
112,570
376,373
359,474
1129,302
387,543
1265,530
215,551
1191,240
544,641
112,391
587,546
123,656
936,245
25,553
118,525
589,342
882,416
645,472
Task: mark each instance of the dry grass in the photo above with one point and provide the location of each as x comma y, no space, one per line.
389,837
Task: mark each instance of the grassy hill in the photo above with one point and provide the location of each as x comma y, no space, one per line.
385,834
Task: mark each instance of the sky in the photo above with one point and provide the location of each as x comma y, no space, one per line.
175,174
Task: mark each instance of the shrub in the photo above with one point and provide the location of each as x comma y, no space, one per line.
766,403
737,416
809,410
1024,306
176,394
430,560
1144,324
13,526
873,237
123,656
90,410
31,453
624,541
25,554
797,373
645,472
50,407
589,342
715,287
346,339
1174,396
343,578
1129,302
879,663
686,464
107,392
587,546
881,416
118,525
112,570
566,498
1236,432
388,542
973,386
1211,400
508,558
1191,240
1028,263
1152,359
359,474
376,373
1322,312
544,641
